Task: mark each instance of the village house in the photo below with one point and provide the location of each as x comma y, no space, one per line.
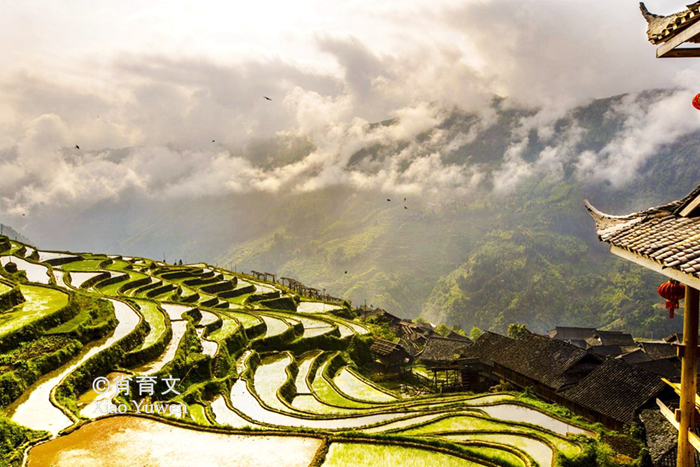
389,356
378,315
661,438
484,348
605,390
440,350
416,333
481,350
544,365
451,372
603,343
573,335
665,239
614,393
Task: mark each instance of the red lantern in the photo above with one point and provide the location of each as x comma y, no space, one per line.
672,291
696,101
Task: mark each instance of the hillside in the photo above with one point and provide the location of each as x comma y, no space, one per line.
445,259
516,225
191,355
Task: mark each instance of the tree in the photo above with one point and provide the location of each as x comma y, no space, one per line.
443,329
517,330
475,333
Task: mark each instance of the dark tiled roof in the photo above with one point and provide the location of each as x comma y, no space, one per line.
458,336
443,349
661,435
615,338
662,28
659,350
663,367
548,361
414,332
564,333
383,348
635,356
578,343
607,350
659,234
410,347
615,389
486,346
379,314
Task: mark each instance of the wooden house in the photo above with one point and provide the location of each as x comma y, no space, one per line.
482,351
659,350
661,438
545,365
451,372
614,393
607,350
416,333
379,315
573,335
485,347
669,369
623,339
666,239
390,356
441,350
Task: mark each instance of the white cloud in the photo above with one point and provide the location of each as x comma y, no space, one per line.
647,127
186,77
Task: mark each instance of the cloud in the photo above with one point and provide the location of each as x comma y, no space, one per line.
145,117
553,54
648,126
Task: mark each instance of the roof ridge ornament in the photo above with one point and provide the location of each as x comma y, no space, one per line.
671,31
646,13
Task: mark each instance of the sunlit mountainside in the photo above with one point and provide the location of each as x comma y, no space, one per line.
518,227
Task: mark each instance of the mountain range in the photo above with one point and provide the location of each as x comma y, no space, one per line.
516,246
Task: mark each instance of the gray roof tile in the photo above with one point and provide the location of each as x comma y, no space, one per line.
659,234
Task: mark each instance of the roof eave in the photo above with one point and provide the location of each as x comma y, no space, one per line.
672,273
607,224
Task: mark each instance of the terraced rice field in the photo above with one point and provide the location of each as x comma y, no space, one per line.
349,383
47,255
78,278
36,410
40,302
317,307
156,320
118,441
179,328
241,364
361,454
35,272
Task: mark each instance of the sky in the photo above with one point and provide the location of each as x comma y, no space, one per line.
164,97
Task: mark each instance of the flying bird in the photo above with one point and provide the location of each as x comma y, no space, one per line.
77,147
267,98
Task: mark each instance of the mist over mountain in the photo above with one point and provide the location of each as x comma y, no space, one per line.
493,229
13,234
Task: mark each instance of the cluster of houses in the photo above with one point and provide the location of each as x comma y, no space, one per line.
603,376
